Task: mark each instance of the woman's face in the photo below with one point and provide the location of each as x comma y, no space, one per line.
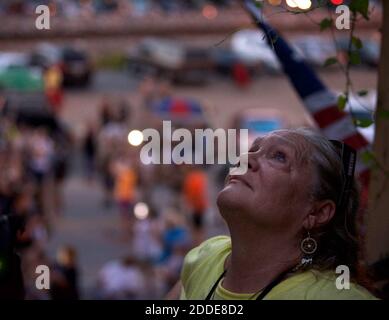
274,192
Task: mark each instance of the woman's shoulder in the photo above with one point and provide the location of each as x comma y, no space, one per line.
317,285
204,263
214,243
333,286
209,249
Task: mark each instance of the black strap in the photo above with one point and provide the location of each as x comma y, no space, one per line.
209,296
263,293
348,157
272,284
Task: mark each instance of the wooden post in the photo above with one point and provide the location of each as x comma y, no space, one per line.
377,240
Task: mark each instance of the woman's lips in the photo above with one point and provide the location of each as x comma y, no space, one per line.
239,179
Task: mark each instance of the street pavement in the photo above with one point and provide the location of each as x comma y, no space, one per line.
88,226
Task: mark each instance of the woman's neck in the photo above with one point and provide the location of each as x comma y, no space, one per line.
256,259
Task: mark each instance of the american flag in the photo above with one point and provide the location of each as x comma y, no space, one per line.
321,102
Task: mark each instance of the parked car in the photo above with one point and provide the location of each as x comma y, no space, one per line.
13,59
182,64
224,59
252,48
74,63
370,53
314,49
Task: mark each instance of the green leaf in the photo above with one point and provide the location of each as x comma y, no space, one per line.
325,24
258,4
360,6
342,101
384,114
363,93
355,57
330,61
364,123
367,157
357,42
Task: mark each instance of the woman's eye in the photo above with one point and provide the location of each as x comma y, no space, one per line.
279,156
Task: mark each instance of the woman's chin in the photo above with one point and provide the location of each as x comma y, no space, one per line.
230,197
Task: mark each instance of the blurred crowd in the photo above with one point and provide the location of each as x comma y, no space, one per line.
33,166
161,211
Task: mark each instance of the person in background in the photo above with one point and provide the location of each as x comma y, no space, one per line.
169,271
145,244
195,190
53,79
124,191
60,171
64,276
174,232
121,279
105,111
124,112
89,149
40,164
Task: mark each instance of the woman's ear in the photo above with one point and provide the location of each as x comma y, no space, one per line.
321,214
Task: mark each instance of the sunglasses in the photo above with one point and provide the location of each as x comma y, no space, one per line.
348,157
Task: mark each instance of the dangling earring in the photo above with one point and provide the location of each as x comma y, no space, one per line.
308,246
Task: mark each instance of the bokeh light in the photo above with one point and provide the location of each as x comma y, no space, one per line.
210,11
135,138
304,4
141,211
292,3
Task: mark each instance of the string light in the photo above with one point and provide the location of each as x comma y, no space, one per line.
304,4
292,3
301,4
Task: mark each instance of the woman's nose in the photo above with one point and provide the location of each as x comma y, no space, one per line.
252,161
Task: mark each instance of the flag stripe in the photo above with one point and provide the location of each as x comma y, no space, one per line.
357,141
364,177
340,129
328,115
320,100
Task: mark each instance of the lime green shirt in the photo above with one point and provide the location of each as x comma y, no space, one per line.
204,264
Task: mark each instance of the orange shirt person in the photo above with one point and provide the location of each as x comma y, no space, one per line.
124,188
53,87
195,193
